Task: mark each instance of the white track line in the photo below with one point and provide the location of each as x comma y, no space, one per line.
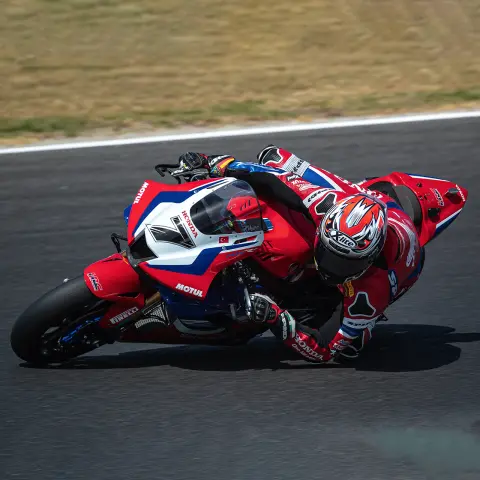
284,128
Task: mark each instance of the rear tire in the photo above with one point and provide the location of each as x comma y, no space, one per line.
68,299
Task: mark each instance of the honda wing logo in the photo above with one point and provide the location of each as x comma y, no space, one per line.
177,235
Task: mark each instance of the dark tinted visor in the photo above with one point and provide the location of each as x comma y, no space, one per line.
338,269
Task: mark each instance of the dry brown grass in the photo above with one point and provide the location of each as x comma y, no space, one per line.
70,65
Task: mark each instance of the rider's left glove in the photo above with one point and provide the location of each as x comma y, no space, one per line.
265,310
215,164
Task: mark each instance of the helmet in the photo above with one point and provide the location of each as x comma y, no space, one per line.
350,238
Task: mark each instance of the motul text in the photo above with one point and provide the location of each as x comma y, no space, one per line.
187,289
141,192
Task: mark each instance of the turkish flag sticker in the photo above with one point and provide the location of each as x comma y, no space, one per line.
223,240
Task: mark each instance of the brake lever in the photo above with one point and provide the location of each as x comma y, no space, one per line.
164,168
189,176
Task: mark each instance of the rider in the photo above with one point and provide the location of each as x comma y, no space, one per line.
364,244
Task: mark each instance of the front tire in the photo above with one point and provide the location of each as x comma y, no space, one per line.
27,338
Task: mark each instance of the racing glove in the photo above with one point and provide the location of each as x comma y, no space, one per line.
264,155
265,310
353,350
215,164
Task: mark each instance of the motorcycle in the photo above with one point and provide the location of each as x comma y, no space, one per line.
195,251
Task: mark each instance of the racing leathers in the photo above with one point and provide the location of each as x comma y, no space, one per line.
366,298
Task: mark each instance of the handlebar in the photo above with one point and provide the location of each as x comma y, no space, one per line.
200,174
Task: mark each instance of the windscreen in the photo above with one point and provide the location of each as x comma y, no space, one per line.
231,209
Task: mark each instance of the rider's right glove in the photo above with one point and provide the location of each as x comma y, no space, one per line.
265,310
215,164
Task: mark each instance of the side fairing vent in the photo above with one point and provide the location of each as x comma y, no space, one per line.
139,249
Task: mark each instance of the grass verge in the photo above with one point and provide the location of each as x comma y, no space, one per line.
75,66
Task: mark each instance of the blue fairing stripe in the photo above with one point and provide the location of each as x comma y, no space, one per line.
440,228
394,205
416,175
163,197
126,213
201,263
215,183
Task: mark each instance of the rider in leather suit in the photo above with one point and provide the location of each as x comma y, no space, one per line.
365,245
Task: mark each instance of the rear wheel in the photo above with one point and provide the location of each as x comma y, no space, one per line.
59,325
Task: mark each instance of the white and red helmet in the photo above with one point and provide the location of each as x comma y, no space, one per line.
350,238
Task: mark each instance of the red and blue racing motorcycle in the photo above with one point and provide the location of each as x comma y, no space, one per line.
194,253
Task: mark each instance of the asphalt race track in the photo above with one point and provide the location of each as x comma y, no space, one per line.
408,410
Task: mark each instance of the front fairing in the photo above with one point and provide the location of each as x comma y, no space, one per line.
178,237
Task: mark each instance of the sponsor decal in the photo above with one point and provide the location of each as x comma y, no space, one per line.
190,224
292,177
299,167
461,193
339,345
296,165
349,290
94,281
284,329
288,325
358,324
310,199
438,197
301,347
191,290
223,240
392,278
342,239
248,226
307,186
141,192
123,315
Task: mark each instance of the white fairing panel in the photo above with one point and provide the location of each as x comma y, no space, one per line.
173,220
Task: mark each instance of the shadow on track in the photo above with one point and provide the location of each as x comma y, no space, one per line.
394,348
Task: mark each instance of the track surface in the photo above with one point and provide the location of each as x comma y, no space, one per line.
408,410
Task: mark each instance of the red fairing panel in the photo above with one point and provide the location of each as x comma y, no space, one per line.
193,286
287,248
111,277
432,193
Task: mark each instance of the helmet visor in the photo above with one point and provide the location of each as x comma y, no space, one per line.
336,269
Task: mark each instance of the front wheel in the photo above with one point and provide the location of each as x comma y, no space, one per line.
60,325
